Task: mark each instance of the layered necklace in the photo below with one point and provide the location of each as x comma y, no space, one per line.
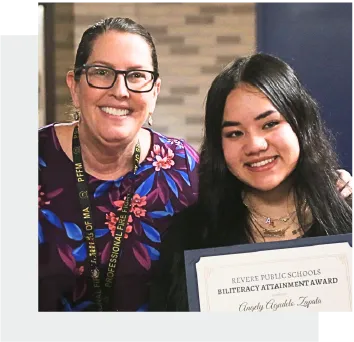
270,227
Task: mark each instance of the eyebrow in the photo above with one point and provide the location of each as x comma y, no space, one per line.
259,117
134,67
101,63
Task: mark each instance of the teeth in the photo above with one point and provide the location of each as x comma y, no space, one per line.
263,162
115,111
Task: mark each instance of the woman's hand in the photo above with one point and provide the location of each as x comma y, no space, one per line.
344,183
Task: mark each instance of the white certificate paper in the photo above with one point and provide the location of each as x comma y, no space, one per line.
312,278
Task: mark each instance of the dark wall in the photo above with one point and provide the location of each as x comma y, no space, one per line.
316,40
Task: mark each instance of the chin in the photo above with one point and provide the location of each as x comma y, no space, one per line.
264,184
117,134
263,188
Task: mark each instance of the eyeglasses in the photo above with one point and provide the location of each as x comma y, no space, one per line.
104,77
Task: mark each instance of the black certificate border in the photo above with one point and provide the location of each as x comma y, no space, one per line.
191,257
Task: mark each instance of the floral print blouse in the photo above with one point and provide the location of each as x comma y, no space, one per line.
165,184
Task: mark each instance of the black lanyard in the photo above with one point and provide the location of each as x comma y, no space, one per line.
86,211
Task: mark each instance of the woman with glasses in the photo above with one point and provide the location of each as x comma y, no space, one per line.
108,187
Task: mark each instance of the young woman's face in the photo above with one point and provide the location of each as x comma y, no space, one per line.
260,147
115,114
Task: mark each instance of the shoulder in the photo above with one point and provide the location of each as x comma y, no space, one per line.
179,163
46,138
178,146
45,131
57,135
53,142
55,131
171,141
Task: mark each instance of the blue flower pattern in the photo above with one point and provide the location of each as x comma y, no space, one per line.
165,184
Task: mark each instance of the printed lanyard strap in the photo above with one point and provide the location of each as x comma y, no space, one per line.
82,189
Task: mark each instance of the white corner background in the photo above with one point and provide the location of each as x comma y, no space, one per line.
20,320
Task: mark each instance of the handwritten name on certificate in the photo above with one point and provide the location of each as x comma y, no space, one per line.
315,278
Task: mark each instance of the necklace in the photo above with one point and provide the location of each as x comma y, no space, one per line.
267,233
269,220
267,227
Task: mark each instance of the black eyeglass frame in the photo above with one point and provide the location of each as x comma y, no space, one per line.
155,76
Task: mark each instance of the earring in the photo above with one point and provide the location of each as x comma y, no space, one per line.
77,115
150,119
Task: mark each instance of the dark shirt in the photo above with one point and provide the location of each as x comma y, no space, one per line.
168,291
166,183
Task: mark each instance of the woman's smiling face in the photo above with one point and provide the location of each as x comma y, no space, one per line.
115,114
259,145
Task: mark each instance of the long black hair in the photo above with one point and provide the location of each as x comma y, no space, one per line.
314,175
219,217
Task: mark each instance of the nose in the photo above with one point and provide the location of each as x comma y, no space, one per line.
119,88
255,145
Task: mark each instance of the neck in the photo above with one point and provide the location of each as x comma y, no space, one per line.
105,160
274,203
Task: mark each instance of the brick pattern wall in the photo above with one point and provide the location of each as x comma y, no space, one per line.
63,56
193,41
41,68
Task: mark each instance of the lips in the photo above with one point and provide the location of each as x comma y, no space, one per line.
116,111
260,163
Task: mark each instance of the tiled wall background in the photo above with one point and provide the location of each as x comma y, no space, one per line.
193,42
64,54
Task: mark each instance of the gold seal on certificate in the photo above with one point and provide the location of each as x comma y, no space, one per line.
305,278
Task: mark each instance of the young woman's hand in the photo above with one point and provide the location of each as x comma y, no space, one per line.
344,183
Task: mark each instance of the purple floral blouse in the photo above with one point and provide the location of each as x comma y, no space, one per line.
166,183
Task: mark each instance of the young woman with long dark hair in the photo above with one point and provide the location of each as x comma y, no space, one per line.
267,172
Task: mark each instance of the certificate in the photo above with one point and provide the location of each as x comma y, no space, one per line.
309,274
